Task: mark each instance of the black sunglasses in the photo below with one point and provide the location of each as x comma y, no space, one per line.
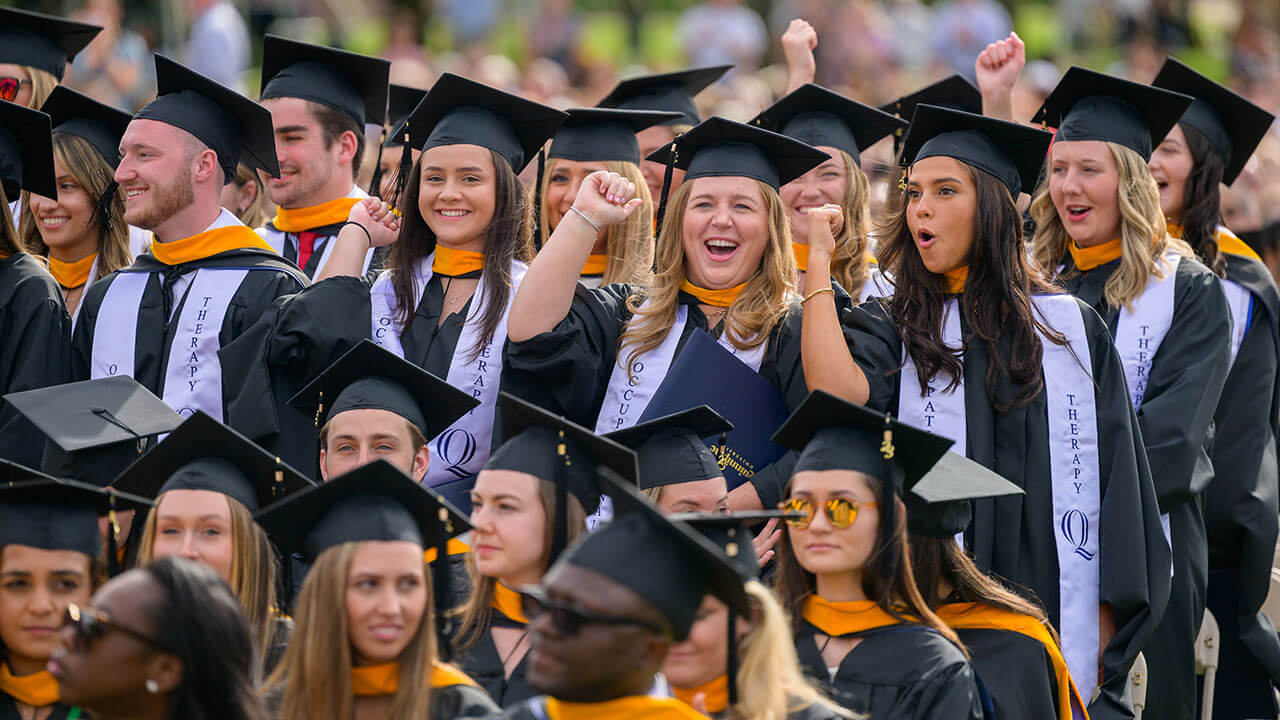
568,621
90,624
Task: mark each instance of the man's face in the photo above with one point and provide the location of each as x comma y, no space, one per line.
358,437
307,166
599,662
155,172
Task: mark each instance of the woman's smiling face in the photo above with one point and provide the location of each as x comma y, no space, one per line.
725,230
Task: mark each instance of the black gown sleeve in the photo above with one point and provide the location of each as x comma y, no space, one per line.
35,352
873,339
566,370
462,701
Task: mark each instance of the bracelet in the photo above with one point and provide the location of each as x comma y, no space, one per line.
365,229
815,293
583,215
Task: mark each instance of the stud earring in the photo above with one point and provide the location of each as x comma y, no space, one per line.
153,687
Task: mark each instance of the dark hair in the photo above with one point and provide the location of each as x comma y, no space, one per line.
202,623
1202,200
332,124
507,238
9,244
996,303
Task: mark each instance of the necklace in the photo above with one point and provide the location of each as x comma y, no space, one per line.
514,648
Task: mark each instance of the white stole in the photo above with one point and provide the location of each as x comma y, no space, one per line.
877,284
1139,333
1073,455
1240,301
462,449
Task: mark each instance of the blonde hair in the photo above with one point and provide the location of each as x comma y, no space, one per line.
477,613
851,262
1144,238
313,679
42,85
763,304
771,685
629,244
256,214
92,172
253,570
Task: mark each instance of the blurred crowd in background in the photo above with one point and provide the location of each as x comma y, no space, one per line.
569,53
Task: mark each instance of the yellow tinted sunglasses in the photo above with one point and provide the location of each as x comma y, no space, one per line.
841,512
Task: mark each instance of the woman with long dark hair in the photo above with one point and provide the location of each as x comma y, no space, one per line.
1100,230
1004,364
844,571
1206,149
167,641
457,252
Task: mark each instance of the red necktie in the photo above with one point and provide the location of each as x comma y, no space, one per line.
306,245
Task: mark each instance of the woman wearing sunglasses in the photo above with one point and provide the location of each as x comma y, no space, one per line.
844,570
365,641
760,678
1208,148
519,525
208,481
50,558
81,230
163,642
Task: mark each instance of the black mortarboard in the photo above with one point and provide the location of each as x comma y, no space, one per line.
348,82
667,564
720,147
955,92
814,115
532,439
600,134
204,454
1088,105
402,102
370,377
1232,124
96,428
77,114
666,92
26,151
670,449
938,506
1010,152
44,42
238,129
457,111
50,514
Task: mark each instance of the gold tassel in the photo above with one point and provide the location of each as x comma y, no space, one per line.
886,445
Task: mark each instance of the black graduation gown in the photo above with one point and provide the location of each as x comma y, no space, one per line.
483,664
304,334
900,672
289,249
272,278
1014,537
1240,509
567,370
9,710
35,349
1015,669
462,701
1176,422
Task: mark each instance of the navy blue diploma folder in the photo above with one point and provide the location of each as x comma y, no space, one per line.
705,373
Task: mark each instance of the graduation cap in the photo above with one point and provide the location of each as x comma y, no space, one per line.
814,115
43,512
1232,124
720,147
955,92
938,505
1088,105
98,123
1010,152
371,377
600,134
670,449
375,502
352,84
667,92
559,451
204,454
457,111
667,564
44,42
26,152
402,102
96,428
238,129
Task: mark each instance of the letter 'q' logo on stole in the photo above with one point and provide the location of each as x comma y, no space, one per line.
456,447
1075,528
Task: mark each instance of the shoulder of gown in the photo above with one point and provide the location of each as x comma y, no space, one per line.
873,339
462,701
